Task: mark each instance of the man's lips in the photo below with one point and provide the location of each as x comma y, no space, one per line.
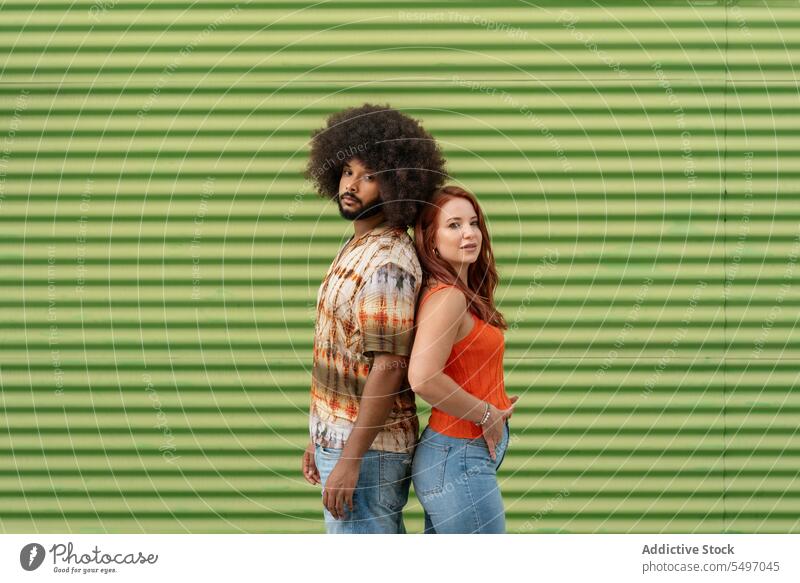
349,199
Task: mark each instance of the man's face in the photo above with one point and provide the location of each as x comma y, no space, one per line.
359,195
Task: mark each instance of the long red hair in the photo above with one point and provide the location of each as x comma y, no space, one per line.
482,276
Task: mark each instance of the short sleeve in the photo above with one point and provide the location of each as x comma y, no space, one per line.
385,308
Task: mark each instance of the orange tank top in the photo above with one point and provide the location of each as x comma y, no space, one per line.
476,364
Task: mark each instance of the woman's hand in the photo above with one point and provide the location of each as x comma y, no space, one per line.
310,472
513,400
493,428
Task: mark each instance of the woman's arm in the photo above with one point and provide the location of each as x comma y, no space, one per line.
437,327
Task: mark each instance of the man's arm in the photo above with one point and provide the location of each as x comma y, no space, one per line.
385,309
385,379
309,466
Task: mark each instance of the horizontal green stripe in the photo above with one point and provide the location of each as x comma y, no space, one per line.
530,87
378,24
706,346
172,516
294,323
241,451
577,364
522,472
510,493
338,5
496,217
464,175
477,132
337,241
502,304
131,430
541,388
627,279
289,323
529,323
661,259
549,410
390,68
232,154
573,364
345,47
512,114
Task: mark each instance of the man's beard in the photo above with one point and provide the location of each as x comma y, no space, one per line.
359,212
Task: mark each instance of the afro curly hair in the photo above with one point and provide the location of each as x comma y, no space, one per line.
404,157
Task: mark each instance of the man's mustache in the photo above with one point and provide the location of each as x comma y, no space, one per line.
343,194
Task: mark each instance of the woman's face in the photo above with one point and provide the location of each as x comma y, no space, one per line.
458,237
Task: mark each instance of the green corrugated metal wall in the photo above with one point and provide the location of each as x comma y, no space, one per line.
161,253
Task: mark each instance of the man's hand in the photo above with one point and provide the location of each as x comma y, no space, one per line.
310,472
339,487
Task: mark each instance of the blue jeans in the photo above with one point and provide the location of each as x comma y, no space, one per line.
380,495
456,481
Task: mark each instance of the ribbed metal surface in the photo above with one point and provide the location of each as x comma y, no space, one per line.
161,254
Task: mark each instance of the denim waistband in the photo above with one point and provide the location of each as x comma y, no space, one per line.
434,436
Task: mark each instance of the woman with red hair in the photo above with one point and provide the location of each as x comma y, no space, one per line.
457,366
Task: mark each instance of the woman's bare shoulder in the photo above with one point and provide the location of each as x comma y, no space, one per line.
450,295
432,283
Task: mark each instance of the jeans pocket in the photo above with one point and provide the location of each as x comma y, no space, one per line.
394,479
430,462
503,446
330,452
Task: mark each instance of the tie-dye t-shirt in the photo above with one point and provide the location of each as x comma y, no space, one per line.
365,305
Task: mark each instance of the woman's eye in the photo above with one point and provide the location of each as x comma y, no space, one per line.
453,224
368,178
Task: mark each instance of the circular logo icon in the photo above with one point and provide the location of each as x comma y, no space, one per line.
31,556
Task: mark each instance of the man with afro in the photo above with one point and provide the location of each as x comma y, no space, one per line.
380,166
